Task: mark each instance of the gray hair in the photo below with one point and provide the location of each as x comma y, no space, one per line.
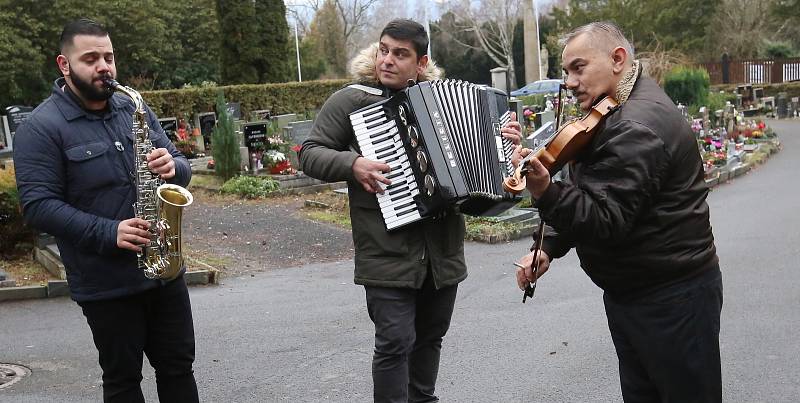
608,33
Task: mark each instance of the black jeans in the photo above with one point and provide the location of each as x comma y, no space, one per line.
156,322
668,342
409,327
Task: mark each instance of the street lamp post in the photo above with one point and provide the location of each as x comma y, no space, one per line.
297,50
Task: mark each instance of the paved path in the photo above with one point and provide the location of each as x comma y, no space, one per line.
303,335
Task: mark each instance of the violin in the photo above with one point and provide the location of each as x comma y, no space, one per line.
561,148
564,146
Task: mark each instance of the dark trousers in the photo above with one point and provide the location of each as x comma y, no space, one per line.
156,322
409,327
668,342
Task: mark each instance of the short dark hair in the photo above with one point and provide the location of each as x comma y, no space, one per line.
82,26
408,30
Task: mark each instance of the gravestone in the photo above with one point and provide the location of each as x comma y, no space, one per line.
14,116
704,115
283,120
5,139
768,103
260,115
206,122
782,105
255,136
515,105
237,129
746,91
758,93
297,132
234,110
170,126
500,78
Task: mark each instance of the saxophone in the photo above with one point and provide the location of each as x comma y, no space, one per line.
161,204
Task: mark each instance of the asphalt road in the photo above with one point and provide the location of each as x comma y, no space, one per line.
303,335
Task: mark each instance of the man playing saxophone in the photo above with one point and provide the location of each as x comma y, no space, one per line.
74,160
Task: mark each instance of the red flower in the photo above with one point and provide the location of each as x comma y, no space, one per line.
296,148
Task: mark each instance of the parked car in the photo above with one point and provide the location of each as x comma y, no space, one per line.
538,87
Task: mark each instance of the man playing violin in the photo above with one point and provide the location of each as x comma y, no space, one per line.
634,208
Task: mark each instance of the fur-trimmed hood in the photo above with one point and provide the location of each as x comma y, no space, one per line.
362,67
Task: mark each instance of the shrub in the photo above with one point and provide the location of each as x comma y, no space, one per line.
278,98
224,144
687,85
13,231
251,187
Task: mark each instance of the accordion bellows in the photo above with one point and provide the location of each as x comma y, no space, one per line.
443,143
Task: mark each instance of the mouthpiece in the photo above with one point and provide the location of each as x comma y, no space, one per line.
110,82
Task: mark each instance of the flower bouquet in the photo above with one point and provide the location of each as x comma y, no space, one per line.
277,163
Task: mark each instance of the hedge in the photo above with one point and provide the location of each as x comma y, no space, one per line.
295,97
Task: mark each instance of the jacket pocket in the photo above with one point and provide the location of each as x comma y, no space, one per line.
89,167
370,238
449,231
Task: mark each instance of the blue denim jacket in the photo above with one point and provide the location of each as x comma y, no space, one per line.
75,178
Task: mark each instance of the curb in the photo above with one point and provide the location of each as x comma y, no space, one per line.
60,288
722,176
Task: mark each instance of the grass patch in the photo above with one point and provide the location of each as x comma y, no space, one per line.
197,259
328,207
486,229
26,271
333,208
762,153
332,217
250,187
210,182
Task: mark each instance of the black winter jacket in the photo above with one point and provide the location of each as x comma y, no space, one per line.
635,209
74,175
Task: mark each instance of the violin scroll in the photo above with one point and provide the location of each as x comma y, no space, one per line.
515,184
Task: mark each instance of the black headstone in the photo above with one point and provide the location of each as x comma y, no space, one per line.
255,135
16,115
170,126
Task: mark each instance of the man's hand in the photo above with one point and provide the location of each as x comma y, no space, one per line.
512,130
525,273
132,233
538,178
160,162
370,174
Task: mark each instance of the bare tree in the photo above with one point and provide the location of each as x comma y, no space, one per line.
493,23
740,28
354,16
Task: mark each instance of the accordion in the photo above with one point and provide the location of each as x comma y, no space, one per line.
443,143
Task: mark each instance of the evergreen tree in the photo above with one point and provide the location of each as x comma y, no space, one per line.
238,45
272,38
224,144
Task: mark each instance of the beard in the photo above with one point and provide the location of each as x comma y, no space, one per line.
89,91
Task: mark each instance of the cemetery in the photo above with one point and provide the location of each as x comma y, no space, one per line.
242,138
731,133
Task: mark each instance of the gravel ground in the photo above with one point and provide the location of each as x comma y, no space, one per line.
247,236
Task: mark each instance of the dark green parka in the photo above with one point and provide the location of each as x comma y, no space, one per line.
399,258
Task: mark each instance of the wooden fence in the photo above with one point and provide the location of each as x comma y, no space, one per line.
753,71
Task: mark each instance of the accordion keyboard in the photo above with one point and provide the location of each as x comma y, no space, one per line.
379,140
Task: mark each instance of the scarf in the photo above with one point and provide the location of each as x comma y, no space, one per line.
625,86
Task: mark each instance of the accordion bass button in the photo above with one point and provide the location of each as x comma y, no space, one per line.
423,161
430,185
401,112
413,135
